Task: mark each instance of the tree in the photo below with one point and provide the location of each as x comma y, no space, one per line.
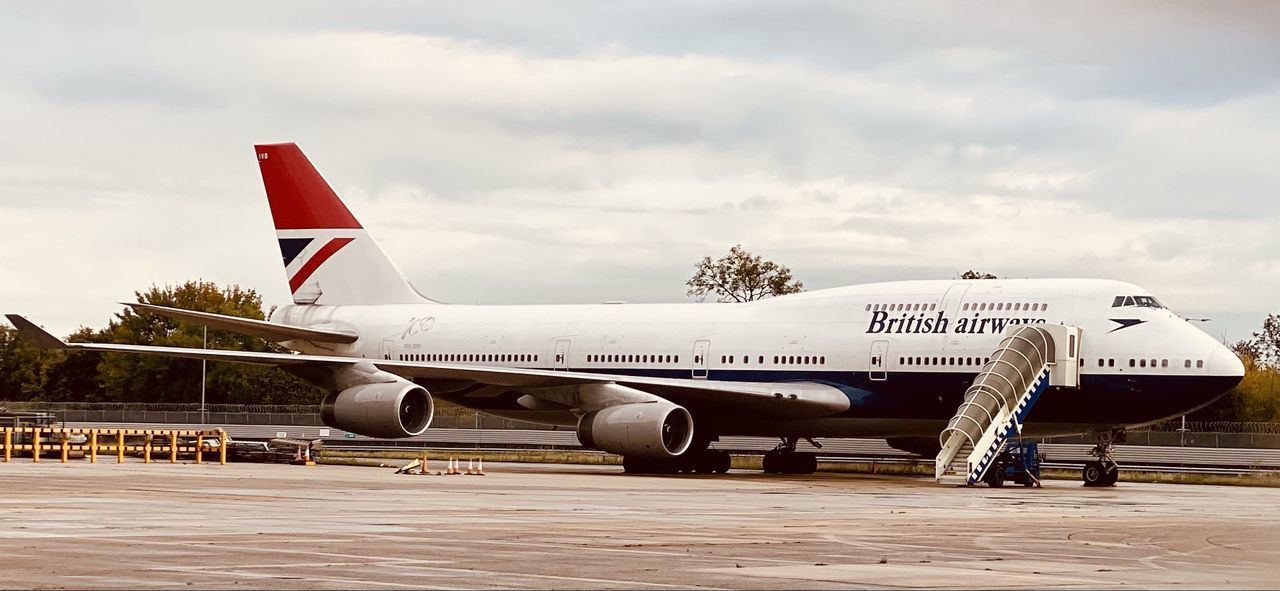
27,372
971,274
741,277
1257,396
149,378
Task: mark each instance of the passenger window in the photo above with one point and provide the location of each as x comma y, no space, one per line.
731,359
1111,363
1187,364
1044,307
868,307
932,306
775,359
1199,364
760,359
908,361
822,360
1142,363
1164,363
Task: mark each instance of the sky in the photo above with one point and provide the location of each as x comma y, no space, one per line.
570,152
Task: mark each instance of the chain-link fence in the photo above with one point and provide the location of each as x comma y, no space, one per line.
447,415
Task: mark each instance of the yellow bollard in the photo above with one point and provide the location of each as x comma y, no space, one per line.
173,447
64,446
146,448
120,446
35,445
8,443
222,447
93,446
199,446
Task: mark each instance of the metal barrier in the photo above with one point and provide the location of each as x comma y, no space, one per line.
99,441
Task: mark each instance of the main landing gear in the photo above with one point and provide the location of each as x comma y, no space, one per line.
784,459
696,460
1104,471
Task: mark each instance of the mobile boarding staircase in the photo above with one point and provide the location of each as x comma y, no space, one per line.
1030,359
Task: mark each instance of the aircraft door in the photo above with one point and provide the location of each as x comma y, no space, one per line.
879,368
561,359
388,347
700,349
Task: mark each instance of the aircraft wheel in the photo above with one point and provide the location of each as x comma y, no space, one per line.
634,465
1111,475
723,462
773,463
1094,474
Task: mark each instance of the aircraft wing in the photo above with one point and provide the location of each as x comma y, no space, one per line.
254,328
764,399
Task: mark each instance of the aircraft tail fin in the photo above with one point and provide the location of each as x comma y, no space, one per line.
328,256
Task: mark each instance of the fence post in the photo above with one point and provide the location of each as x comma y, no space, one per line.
119,446
8,443
146,447
64,446
93,446
222,447
173,447
199,446
35,445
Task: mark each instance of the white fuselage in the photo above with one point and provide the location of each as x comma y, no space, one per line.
917,341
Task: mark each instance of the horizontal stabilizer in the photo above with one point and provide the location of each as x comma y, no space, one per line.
254,328
37,335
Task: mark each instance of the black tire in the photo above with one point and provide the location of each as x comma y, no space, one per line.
806,463
1093,474
1111,475
634,465
723,462
994,477
773,463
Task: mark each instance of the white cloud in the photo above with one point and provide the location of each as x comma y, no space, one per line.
507,156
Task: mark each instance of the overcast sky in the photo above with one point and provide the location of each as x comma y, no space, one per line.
573,152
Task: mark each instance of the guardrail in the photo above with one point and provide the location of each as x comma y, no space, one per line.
112,441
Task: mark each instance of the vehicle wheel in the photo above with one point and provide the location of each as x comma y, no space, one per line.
1094,474
1110,475
995,477
806,463
773,463
634,465
723,462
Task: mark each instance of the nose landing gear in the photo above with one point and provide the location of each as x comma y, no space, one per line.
1104,471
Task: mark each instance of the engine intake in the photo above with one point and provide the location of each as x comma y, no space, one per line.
640,429
388,410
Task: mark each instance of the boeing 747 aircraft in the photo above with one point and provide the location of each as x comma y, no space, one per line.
931,366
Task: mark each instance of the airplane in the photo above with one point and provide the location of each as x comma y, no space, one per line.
659,383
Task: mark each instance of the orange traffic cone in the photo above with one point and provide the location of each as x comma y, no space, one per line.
449,471
480,467
471,467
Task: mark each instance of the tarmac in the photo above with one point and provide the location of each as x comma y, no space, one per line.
142,526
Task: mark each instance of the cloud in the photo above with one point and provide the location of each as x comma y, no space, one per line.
562,152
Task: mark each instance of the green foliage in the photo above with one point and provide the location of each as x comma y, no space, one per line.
31,373
741,277
1257,397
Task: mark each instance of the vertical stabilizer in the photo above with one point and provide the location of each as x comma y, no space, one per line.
329,258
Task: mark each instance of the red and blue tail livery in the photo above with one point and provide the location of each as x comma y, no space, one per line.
328,257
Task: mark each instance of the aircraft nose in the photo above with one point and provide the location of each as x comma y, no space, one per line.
1224,362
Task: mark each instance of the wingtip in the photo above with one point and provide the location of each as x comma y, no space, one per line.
37,335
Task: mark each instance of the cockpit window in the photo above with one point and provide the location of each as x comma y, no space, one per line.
1140,301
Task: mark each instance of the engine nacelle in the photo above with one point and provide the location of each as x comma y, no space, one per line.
388,410
640,429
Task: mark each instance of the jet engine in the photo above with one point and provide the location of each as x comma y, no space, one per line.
387,410
657,429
